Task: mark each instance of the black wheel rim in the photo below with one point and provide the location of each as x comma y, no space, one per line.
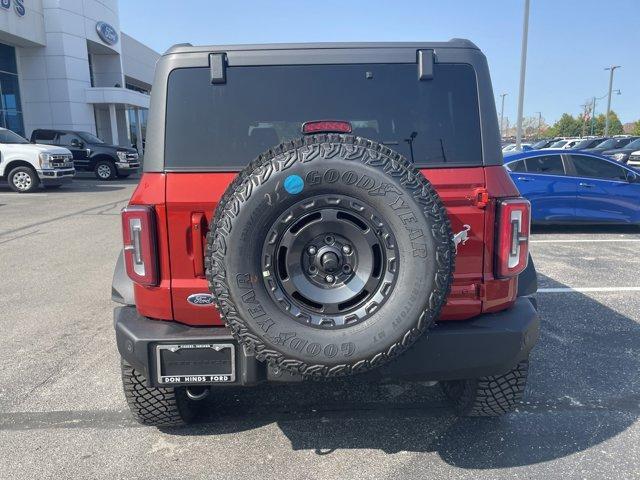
330,262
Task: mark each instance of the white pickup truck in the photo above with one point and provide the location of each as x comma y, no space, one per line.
26,165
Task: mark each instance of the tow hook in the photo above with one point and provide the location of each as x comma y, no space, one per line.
461,237
198,393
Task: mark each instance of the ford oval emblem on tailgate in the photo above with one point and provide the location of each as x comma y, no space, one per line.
200,299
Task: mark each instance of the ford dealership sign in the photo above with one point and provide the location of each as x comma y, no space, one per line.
18,6
107,33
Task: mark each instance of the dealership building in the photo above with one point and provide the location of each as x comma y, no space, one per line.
65,64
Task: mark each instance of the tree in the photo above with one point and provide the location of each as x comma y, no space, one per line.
615,125
533,126
567,126
636,129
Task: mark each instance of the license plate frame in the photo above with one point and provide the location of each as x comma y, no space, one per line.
166,373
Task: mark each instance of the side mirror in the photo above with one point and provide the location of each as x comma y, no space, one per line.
77,143
632,177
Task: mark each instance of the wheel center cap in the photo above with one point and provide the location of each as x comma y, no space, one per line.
330,261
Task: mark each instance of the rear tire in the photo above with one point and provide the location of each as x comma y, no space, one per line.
23,180
159,407
490,396
105,170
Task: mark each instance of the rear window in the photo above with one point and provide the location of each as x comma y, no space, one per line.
225,126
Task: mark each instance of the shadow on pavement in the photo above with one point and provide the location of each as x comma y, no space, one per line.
584,388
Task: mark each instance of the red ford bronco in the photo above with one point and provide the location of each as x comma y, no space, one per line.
322,210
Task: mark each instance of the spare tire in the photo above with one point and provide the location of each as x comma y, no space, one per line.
329,255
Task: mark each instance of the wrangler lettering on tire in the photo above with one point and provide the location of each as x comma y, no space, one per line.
329,255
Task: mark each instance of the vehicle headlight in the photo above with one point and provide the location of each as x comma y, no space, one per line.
45,159
618,157
122,156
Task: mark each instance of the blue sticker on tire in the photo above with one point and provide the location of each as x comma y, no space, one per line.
293,184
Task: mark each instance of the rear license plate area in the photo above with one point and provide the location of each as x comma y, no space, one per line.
198,363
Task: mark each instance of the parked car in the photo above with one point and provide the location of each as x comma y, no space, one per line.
622,154
544,143
611,144
92,154
586,143
634,160
25,166
302,226
576,187
512,147
563,144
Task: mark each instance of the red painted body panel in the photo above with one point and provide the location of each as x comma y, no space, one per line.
474,289
155,302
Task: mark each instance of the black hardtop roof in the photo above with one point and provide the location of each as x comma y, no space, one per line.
188,48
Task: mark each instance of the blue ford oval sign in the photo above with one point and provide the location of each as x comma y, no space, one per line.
200,299
107,33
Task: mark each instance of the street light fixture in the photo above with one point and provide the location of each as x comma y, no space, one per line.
611,69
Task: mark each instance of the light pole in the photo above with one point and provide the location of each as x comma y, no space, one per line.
523,69
539,123
593,108
611,69
502,95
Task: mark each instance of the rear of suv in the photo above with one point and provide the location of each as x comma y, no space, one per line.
90,153
311,211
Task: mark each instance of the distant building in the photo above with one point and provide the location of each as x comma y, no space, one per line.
65,64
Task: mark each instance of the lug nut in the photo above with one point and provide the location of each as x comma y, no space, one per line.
346,249
346,268
313,269
329,239
312,250
329,278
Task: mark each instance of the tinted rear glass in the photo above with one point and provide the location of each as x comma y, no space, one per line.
226,126
549,164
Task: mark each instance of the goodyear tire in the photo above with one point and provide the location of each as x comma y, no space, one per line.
329,255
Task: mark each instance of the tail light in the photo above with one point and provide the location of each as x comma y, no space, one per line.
513,236
326,126
139,237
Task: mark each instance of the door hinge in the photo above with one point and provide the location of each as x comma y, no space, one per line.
480,197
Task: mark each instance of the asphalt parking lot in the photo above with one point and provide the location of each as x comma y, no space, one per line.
62,413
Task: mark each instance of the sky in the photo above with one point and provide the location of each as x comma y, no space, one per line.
570,41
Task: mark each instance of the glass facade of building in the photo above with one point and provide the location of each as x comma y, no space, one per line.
10,106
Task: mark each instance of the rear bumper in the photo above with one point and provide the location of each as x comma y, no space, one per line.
487,345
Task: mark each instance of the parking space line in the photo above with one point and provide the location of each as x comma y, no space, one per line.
587,240
588,289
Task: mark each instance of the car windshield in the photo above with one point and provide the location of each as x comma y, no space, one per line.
225,126
89,137
7,136
559,144
634,144
539,144
610,143
582,144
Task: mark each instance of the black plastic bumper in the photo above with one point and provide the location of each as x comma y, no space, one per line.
487,345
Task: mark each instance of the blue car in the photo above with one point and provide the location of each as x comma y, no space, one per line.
576,187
